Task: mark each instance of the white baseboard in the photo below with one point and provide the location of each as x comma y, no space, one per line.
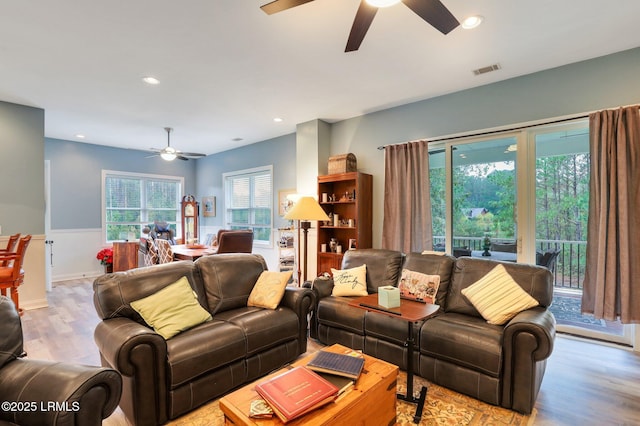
34,304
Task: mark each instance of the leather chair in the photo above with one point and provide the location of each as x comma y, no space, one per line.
56,393
10,248
235,241
12,275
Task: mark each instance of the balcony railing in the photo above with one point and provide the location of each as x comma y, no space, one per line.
570,264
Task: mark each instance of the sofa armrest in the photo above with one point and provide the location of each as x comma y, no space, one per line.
322,287
301,301
58,393
527,343
140,355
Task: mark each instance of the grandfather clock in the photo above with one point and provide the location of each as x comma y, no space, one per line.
189,220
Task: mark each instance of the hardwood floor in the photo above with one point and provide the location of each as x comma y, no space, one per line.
585,383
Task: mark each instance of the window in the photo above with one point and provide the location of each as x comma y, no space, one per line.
249,201
132,201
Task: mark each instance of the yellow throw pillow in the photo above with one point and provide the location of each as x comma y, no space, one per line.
269,289
498,297
350,282
171,310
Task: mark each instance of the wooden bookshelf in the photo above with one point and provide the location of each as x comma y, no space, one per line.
350,196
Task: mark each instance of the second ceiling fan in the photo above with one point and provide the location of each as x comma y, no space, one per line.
432,11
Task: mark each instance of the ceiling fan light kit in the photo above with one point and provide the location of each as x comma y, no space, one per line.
432,11
169,153
382,3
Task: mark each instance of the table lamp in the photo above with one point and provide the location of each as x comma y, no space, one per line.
304,210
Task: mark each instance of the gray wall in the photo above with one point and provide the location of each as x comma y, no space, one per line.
601,83
22,201
76,178
279,152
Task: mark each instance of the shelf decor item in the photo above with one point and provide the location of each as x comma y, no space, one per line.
342,164
305,210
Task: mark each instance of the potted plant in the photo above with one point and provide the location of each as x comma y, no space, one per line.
105,256
486,245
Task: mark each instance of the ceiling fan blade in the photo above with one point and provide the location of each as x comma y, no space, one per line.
435,13
191,154
280,5
180,157
361,24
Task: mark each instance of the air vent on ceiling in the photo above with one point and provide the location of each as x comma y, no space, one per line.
484,70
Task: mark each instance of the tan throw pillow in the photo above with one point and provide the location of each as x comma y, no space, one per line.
269,289
419,286
350,282
498,297
171,310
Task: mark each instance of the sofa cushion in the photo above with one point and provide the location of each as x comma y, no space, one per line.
350,282
171,310
263,328
383,266
335,312
498,297
465,341
268,291
433,264
537,281
203,349
229,278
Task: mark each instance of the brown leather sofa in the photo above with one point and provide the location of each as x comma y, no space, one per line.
166,378
458,349
46,392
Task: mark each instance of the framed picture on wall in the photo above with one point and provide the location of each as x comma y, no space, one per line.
209,206
284,201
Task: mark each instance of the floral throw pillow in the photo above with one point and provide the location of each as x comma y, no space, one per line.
350,282
419,286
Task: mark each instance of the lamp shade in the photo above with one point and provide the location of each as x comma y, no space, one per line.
306,208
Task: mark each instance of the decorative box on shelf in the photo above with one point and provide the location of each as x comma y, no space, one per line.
342,164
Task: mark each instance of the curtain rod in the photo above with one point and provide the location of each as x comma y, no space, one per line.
511,129
493,132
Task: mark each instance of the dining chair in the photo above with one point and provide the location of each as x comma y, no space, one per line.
235,241
12,275
165,254
10,248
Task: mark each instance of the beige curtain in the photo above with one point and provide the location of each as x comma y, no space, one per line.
407,205
612,278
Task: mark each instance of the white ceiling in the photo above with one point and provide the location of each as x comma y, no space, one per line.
227,68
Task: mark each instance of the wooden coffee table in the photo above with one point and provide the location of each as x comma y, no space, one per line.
372,401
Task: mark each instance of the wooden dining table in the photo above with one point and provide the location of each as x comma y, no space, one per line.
188,252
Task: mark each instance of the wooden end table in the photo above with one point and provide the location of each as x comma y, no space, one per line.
372,401
411,312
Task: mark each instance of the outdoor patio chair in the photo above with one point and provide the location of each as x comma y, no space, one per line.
548,259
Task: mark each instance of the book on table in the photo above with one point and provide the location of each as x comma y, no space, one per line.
296,392
347,365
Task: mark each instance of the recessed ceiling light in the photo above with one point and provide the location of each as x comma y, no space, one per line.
278,120
472,22
80,136
382,3
151,80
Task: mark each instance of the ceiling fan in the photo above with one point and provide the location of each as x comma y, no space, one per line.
432,11
170,153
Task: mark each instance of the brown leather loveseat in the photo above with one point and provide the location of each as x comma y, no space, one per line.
163,379
500,364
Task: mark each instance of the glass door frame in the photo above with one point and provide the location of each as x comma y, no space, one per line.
525,203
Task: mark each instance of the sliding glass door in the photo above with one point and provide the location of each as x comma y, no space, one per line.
521,197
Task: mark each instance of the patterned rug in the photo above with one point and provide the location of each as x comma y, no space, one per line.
443,407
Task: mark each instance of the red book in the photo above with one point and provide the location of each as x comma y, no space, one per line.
296,392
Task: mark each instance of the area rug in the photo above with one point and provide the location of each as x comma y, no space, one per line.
442,407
